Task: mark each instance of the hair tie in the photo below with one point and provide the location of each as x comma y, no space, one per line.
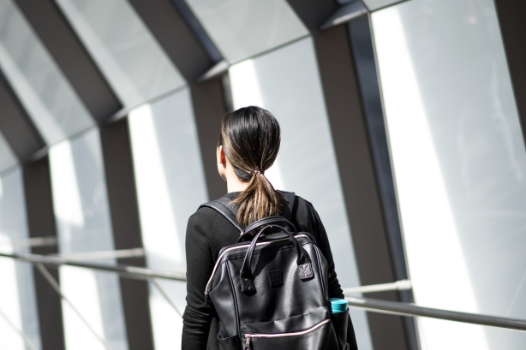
255,171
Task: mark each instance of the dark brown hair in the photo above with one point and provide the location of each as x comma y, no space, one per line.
250,137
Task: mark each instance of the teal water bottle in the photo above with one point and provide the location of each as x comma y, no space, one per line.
338,305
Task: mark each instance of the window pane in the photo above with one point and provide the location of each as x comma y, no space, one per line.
83,225
126,52
459,162
170,186
7,157
243,28
377,4
45,93
18,308
287,83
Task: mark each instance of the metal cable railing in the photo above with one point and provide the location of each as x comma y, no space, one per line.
405,309
373,305
122,270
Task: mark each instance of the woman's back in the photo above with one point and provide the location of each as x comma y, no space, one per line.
248,145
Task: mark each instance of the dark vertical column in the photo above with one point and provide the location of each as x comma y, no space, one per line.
209,106
364,58
74,61
368,80
41,221
26,142
513,27
314,12
126,229
16,126
172,32
357,174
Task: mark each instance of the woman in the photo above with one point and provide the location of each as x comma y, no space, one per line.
248,145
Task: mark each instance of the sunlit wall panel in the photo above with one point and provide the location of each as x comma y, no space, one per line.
18,311
170,186
287,83
7,157
47,96
373,5
243,28
124,49
84,225
459,163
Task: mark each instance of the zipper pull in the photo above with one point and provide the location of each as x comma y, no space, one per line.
247,343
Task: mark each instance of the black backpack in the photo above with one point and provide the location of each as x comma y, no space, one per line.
270,288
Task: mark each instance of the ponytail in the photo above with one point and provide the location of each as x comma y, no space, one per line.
250,138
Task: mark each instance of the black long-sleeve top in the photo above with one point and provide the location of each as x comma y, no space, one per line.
207,232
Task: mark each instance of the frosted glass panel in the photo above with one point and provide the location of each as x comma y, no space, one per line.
377,4
7,157
170,186
18,310
243,28
38,82
83,223
126,52
459,162
287,83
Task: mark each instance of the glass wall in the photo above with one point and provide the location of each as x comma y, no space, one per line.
170,187
7,157
124,49
243,28
455,139
94,317
459,162
286,82
19,328
373,5
47,96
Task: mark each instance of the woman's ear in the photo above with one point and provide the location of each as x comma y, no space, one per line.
221,156
221,162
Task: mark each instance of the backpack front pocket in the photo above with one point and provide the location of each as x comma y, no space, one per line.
311,330
312,338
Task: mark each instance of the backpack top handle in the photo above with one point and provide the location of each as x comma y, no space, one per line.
303,260
268,221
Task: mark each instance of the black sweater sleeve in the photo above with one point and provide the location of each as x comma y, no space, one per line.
322,241
200,263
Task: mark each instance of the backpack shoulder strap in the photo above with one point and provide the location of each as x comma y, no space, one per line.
223,207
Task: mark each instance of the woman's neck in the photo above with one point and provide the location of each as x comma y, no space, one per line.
234,183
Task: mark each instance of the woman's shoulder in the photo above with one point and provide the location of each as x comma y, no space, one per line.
203,216
302,205
212,226
304,214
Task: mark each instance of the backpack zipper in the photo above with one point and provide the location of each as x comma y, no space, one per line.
249,336
207,288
